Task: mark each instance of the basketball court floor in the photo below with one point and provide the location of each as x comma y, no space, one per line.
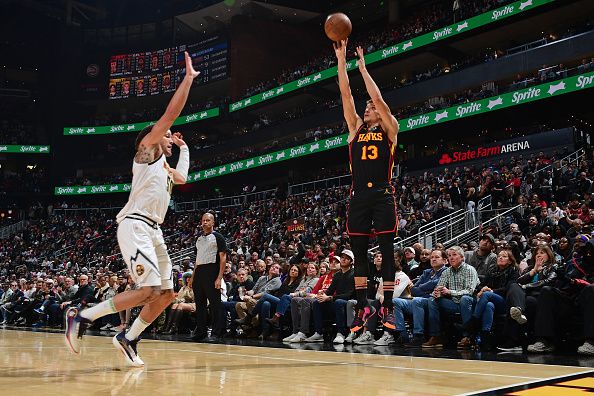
38,363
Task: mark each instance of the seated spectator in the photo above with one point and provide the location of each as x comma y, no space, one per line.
305,287
265,284
453,294
491,295
571,294
409,257
239,287
483,257
183,302
424,264
82,296
269,301
421,292
521,296
333,302
301,307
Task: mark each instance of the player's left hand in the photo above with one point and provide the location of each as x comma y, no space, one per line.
178,139
361,60
217,284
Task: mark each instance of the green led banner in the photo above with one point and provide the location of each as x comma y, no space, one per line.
102,130
13,148
396,49
515,98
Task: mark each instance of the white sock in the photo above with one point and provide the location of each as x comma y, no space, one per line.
102,309
137,327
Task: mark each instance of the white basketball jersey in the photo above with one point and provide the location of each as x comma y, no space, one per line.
151,191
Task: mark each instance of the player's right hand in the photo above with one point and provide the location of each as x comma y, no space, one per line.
178,139
190,72
340,49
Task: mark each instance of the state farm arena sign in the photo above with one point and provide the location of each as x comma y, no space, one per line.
555,140
483,152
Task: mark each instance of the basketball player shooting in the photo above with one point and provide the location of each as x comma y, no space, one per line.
372,205
139,236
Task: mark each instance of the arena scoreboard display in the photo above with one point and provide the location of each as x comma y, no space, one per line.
152,73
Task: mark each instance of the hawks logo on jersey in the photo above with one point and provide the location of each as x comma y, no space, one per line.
370,136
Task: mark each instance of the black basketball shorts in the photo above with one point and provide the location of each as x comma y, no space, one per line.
372,209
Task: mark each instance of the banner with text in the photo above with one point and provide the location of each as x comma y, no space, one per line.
519,97
396,49
136,127
14,148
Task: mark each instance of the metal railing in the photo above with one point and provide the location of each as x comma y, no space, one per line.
85,211
223,202
331,182
502,219
576,157
7,231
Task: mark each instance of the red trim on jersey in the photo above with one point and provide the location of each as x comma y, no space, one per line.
391,162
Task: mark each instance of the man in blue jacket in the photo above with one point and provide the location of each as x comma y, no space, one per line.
421,291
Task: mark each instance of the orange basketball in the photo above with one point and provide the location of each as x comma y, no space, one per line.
338,26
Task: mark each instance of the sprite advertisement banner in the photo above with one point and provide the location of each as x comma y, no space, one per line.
396,49
101,130
519,97
13,148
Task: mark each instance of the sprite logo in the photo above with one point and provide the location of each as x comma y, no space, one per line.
64,190
191,117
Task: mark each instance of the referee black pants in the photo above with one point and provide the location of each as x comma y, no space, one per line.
204,290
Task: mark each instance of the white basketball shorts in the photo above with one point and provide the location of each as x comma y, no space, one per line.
145,254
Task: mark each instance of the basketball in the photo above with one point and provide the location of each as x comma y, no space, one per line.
338,26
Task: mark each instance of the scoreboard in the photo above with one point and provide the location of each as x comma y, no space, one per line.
152,73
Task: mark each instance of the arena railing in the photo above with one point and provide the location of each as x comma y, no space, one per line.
224,202
574,157
304,188
502,221
7,231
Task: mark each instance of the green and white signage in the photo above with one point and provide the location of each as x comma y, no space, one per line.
396,49
23,149
515,98
136,127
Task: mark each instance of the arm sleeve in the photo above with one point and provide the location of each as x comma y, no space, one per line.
183,163
221,243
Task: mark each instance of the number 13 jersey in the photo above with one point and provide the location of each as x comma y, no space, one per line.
371,156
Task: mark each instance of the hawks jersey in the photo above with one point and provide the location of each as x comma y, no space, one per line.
151,191
371,156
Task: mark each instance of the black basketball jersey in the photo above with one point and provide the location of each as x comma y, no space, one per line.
371,156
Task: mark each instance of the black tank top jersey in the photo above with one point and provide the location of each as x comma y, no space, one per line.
371,158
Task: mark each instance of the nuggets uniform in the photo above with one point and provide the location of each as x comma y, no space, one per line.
372,204
139,235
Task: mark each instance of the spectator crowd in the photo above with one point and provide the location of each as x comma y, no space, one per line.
526,286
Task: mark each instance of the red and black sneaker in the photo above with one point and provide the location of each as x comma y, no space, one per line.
362,318
388,319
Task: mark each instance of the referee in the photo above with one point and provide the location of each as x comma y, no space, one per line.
211,256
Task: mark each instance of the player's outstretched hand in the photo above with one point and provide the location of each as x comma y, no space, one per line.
361,60
340,49
178,139
190,72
